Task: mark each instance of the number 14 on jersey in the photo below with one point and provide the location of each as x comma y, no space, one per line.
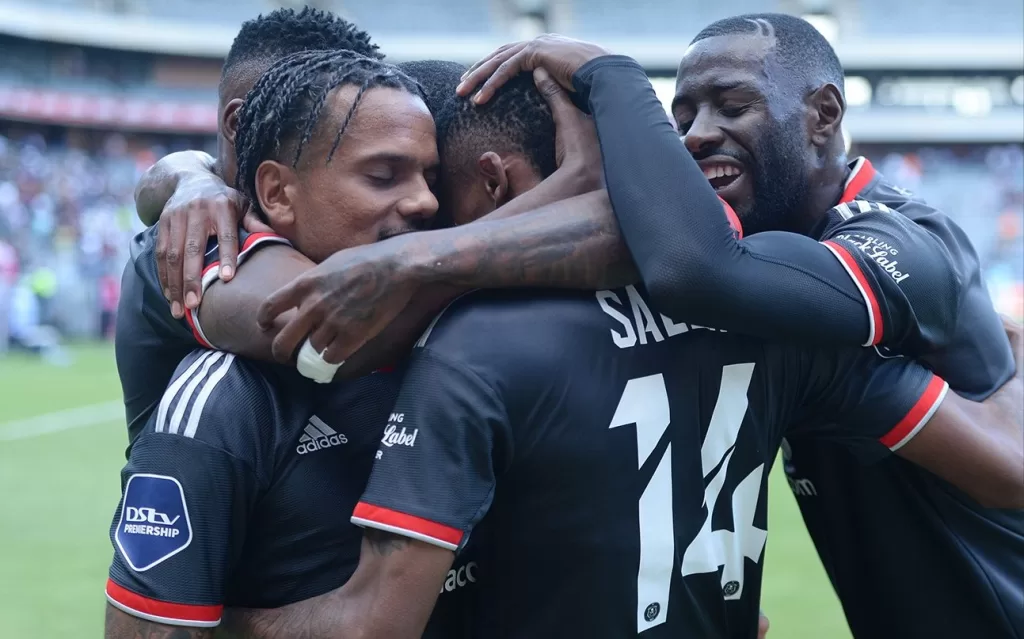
645,403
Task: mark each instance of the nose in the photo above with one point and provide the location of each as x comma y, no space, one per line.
704,134
420,205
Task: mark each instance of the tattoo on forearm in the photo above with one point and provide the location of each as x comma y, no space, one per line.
120,625
385,543
571,244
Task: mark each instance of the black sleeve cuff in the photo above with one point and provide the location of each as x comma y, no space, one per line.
583,78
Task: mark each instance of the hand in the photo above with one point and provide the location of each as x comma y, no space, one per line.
577,151
344,302
560,56
201,206
762,626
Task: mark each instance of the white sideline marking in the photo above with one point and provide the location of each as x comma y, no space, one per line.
80,417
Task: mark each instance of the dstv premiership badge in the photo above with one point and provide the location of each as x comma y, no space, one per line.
154,524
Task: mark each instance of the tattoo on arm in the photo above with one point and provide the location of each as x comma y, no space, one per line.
121,625
384,543
575,243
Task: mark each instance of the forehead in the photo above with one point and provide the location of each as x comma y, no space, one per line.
722,61
386,122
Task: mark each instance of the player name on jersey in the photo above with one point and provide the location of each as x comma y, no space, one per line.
643,322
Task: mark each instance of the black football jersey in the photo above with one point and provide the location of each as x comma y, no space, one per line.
238,492
149,342
882,269
878,528
606,465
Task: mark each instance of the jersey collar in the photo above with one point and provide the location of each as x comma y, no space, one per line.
861,174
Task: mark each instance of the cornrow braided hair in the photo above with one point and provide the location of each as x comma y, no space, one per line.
284,107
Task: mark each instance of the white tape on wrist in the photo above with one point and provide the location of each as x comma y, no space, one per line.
312,364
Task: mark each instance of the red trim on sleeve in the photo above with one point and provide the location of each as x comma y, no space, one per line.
409,525
191,315
162,611
734,220
858,181
875,328
918,416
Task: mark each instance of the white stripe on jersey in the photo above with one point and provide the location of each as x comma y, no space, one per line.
174,423
197,410
172,391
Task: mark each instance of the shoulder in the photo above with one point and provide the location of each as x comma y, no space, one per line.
528,327
223,401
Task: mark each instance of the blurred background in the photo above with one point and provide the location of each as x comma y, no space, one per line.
92,92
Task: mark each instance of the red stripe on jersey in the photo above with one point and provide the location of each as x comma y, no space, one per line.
256,237
918,416
192,315
734,220
409,525
860,178
875,328
162,611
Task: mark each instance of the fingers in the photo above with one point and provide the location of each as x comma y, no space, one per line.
291,336
285,298
172,262
163,239
504,72
192,267
762,626
557,98
227,243
329,344
485,69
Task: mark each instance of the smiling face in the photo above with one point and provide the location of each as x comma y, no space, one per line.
377,184
742,118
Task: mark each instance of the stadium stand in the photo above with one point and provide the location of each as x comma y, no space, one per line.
84,112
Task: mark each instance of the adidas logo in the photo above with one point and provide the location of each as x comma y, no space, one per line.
318,436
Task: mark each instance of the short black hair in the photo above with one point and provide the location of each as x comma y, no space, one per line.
517,118
800,48
266,39
282,110
437,78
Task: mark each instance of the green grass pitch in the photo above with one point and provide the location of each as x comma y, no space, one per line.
58,491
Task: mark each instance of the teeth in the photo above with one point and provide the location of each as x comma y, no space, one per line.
721,170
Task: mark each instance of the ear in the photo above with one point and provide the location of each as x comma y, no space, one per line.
492,171
229,119
276,189
828,107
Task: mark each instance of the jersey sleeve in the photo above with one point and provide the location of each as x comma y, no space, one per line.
771,284
249,243
154,306
435,472
181,522
872,404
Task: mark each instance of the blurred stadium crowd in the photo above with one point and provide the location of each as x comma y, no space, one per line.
79,124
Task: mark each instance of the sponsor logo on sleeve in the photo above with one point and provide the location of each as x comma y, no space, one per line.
154,524
878,251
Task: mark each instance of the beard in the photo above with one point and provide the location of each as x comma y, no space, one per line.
780,180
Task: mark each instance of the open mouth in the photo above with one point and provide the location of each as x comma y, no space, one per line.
722,176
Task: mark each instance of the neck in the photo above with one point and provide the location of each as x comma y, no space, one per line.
827,184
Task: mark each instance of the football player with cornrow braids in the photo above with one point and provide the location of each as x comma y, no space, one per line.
238,490
152,334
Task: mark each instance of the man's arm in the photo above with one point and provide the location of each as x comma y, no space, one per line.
354,294
187,491
876,406
776,284
120,625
